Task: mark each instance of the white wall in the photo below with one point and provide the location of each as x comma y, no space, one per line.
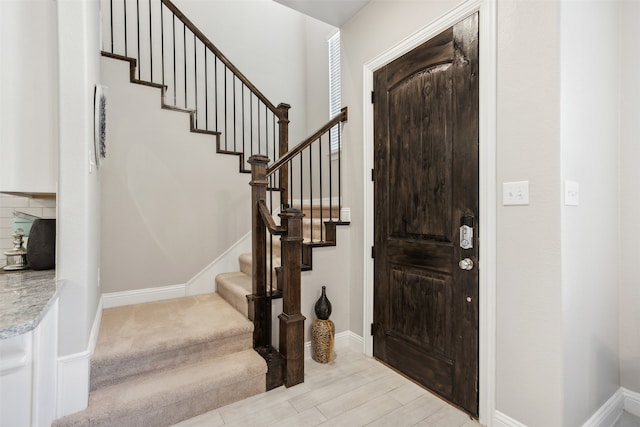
78,222
29,101
629,194
590,250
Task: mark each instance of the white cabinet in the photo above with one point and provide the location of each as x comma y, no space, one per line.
29,101
28,375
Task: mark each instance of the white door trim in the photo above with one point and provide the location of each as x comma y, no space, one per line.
488,196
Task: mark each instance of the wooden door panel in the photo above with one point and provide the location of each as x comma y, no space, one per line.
420,120
425,183
419,312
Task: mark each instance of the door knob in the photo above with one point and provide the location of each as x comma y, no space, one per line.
466,264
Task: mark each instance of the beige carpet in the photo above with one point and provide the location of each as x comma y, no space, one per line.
162,362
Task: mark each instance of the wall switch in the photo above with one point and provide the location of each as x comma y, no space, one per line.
571,193
515,193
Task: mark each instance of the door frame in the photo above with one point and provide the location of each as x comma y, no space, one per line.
487,184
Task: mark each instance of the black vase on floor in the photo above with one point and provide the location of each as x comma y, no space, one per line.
323,305
41,247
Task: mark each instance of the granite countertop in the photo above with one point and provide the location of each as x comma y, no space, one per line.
25,297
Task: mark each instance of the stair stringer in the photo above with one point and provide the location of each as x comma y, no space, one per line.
242,168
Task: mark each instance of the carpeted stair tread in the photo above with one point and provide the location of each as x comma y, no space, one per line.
157,326
140,338
166,397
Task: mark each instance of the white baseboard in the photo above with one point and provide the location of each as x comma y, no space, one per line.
343,340
631,401
139,296
73,374
204,282
503,420
608,414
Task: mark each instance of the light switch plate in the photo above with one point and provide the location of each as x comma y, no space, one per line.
515,193
571,193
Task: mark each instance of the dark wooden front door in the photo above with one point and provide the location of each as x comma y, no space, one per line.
426,187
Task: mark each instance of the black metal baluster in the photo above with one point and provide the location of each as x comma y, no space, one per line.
226,71
291,182
235,123
321,193
125,29
150,43
111,22
206,89
162,40
215,79
243,123
311,190
175,84
138,23
258,128
251,122
330,177
184,56
339,173
195,76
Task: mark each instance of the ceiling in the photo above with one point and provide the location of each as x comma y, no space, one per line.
334,12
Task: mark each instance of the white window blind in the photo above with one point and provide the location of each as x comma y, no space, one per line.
335,92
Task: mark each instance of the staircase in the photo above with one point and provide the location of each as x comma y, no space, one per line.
159,363
162,362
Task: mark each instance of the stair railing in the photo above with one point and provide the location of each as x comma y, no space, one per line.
172,53
166,50
287,278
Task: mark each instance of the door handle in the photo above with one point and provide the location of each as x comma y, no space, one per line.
466,264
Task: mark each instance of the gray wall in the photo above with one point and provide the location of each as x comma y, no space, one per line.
590,246
629,195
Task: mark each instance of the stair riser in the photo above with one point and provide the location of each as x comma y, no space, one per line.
180,410
107,374
246,268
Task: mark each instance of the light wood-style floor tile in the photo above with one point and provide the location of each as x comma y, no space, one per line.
411,413
353,390
364,414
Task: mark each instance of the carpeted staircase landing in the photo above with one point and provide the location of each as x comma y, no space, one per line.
159,363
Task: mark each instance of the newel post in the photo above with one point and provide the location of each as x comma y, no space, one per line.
291,319
259,307
283,124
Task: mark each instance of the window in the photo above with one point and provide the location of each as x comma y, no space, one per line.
335,92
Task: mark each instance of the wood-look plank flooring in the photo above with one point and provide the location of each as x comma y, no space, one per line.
628,420
354,390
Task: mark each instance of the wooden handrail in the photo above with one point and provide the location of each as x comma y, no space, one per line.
340,117
268,220
181,16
